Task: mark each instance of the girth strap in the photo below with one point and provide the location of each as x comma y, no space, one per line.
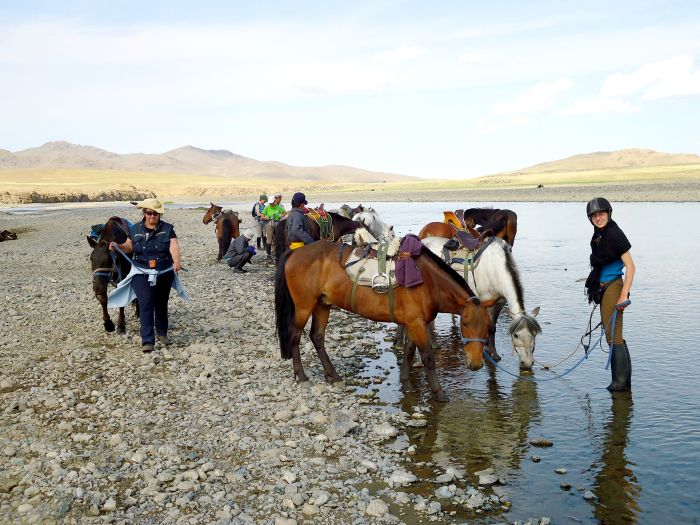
381,259
354,289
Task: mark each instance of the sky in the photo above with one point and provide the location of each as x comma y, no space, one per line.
435,89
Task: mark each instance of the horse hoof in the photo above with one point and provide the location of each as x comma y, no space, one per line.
332,379
301,378
109,326
121,329
441,397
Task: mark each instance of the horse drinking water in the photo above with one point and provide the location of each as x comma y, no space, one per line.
492,273
312,279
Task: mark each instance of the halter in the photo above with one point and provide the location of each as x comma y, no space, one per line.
109,272
466,340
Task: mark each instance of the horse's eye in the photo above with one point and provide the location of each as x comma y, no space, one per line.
515,335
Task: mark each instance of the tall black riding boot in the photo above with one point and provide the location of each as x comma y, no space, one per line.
259,241
628,382
620,367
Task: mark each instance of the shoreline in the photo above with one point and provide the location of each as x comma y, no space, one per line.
639,192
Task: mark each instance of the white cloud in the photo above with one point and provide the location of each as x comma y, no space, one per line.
674,77
588,105
401,54
472,58
540,98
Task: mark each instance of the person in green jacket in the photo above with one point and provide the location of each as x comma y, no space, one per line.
272,214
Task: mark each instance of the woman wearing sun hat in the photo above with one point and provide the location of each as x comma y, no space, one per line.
156,258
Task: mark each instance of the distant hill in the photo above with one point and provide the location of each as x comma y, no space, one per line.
187,160
607,160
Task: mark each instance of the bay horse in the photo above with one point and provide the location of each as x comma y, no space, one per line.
504,223
496,279
340,226
312,279
109,268
226,227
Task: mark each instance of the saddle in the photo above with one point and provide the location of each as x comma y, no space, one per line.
324,221
374,265
462,259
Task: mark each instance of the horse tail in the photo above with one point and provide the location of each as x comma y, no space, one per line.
278,234
225,239
284,308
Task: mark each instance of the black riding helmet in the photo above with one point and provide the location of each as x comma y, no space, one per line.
598,204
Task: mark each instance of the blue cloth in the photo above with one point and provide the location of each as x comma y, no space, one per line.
612,271
125,293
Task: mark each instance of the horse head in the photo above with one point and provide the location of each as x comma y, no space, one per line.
378,228
101,265
523,331
475,332
211,213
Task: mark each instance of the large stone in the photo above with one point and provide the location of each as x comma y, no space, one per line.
377,507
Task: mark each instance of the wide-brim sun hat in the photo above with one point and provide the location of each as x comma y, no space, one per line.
152,204
278,196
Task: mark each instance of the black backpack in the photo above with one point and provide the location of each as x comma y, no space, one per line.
253,212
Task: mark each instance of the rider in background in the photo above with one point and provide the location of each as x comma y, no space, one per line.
609,285
297,227
272,214
259,222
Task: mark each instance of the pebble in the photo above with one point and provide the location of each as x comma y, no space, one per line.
377,507
589,496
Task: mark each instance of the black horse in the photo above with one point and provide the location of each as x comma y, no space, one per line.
109,267
340,226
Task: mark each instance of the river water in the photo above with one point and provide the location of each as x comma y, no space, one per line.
638,453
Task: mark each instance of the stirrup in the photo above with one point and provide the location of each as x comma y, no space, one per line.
381,287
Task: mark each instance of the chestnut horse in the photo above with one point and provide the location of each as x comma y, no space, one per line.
226,227
109,268
312,279
478,222
341,226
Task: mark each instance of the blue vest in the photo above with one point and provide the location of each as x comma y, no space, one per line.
152,245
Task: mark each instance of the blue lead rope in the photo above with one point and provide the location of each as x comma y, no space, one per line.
613,318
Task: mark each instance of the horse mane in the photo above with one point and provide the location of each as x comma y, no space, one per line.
512,268
524,320
448,270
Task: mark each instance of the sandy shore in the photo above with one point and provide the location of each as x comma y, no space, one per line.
210,430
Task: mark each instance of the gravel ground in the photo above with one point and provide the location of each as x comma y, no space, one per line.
209,430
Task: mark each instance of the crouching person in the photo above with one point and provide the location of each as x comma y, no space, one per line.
240,252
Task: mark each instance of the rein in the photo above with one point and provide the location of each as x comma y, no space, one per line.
613,318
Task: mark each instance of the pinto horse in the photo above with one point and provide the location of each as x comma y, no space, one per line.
312,279
341,226
109,268
226,227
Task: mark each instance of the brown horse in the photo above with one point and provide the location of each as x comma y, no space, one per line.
311,279
226,227
504,223
109,268
340,226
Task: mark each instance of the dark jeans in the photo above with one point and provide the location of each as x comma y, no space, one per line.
239,261
153,303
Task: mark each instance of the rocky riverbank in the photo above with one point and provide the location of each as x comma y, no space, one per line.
30,197
210,430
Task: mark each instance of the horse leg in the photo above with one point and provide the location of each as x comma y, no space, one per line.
108,324
319,321
409,354
494,311
419,332
295,337
121,322
400,339
433,335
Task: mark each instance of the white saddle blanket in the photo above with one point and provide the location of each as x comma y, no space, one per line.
366,271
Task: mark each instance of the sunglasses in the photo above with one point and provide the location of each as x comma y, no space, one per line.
151,213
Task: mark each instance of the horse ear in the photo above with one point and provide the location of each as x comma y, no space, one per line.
535,311
92,242
489,303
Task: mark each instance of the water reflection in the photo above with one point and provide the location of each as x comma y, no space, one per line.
615,483
479,427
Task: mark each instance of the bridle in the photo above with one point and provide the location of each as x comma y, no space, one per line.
113,273
466,340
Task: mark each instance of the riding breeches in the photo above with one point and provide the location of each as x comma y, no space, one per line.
153,304
607,308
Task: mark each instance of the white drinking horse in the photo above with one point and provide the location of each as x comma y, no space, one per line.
377,227
496,277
